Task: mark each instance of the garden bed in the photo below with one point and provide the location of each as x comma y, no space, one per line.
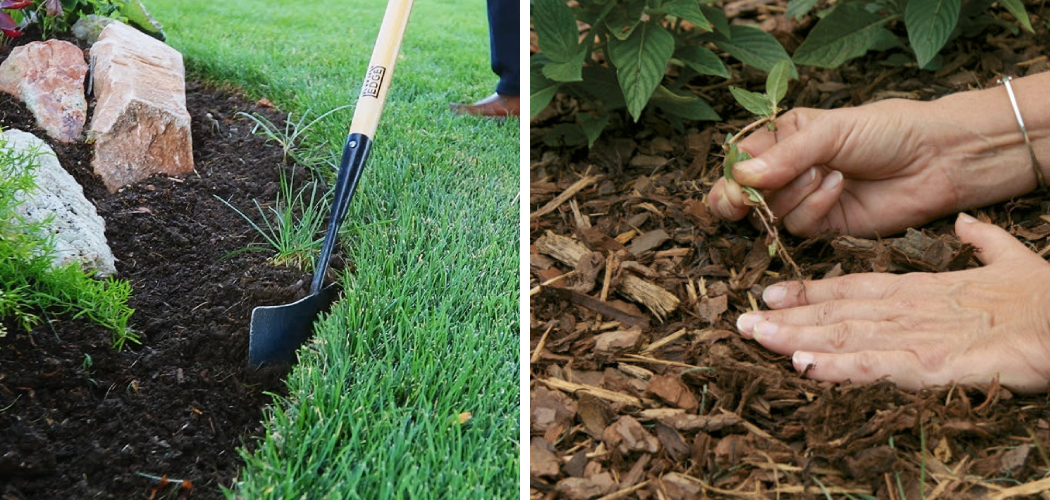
81,420
693,409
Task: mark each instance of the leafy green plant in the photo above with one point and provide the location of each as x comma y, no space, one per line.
29,284
851,28
619,61
766,107
58,16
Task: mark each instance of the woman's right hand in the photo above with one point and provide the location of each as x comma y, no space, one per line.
876,169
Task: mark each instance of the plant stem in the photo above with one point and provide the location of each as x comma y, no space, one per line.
751,126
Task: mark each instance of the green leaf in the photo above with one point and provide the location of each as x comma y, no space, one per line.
541,90
757,104
640,62
702,60
777,81
688,10
689,107
599,87
1016,9
624,18
567,71
593,126
799,8
753,47
556,31
718,19
929,24
733,156
848,31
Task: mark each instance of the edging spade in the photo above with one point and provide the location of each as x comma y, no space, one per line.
276,332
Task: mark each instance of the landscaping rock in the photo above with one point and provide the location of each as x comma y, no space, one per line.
80,234
140,126
88,28
49,78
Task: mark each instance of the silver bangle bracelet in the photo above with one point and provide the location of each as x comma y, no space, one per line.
1039,178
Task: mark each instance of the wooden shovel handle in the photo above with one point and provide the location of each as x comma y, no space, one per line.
381,68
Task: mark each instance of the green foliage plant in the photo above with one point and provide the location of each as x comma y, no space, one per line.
29,283
58,16
850,28
766,107
619,60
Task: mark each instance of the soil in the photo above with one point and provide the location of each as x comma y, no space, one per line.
641,387
179,405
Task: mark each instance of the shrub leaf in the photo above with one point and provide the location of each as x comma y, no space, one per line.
752,46
929,24
541,90
641,61
1016,9
777,81
848,31
688,10
556,31
702,60
757,104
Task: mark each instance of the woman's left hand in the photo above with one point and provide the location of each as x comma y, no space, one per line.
920,329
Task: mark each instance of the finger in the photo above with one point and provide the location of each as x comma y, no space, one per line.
831,312
786,199
842,337
901,367
815,142
726,200
993,243
787,124
810,216
851,286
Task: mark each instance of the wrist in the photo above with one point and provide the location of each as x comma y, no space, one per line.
988,159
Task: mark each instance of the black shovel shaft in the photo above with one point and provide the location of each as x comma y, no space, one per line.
355,153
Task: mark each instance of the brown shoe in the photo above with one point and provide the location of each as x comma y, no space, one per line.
495,105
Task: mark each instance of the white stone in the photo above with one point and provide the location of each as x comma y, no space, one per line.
80,234
140,125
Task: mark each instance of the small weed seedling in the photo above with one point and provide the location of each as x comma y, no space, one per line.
765,107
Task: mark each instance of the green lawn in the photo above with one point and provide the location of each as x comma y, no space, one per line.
428,328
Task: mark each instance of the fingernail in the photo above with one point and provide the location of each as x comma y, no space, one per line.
774,295
765,330
802,360
966,218
754,166
812,174
746,322
831,181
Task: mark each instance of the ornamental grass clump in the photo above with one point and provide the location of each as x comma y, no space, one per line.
30,286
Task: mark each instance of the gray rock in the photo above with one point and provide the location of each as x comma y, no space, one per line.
87,28
80,234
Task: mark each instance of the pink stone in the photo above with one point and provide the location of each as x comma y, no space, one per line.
140,126
49,78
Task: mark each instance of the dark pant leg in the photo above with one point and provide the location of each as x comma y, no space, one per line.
504,19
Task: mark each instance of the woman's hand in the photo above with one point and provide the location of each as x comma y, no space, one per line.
920,329
877,169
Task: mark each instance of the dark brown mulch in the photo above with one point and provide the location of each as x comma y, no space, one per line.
641,386
180,404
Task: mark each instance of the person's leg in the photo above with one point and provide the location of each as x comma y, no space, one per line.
504,17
